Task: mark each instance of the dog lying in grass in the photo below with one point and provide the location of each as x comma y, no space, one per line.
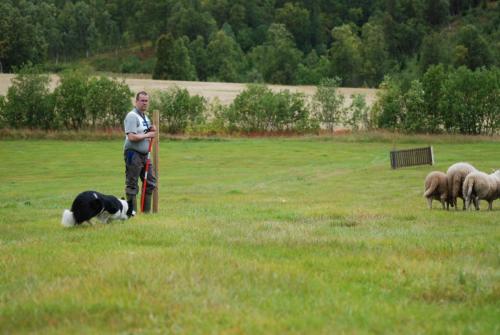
91,204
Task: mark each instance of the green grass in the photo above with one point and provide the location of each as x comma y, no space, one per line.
253,236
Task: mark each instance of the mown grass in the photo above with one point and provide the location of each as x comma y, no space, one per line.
253,236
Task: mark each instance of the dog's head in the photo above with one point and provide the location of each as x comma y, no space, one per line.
130,208
123,213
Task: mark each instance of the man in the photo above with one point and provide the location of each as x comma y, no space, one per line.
139,132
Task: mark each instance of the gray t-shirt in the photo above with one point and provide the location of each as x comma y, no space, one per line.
137,124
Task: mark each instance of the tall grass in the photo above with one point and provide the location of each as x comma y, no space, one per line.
267,236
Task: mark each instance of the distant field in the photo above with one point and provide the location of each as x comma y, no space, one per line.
253,236
225,92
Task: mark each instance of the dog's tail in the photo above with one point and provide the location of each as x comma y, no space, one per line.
68,219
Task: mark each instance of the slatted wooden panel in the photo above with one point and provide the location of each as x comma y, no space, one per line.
411,157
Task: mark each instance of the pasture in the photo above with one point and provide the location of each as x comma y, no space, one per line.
253,236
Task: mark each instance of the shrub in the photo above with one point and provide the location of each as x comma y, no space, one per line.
328,103
470,102
178,109
2,111
70,99
107,101
358,116
29,103
257,108
387,108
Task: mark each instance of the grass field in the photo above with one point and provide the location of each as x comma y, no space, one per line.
253,236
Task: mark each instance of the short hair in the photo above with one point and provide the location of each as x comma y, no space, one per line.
139,94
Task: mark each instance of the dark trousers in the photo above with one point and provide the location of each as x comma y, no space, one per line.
135,165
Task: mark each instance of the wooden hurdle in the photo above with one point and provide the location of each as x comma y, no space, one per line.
412,157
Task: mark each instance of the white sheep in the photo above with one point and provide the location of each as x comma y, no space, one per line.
481,186
456,175
436,187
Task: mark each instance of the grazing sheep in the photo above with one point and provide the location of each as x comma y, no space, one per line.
481,186
456,175
436,187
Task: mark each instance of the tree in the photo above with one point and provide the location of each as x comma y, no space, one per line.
296,20
278,58
472,50
29,103
328,103
388,106
436,11
173,61
375,54
70,99
432,51
178,109
345,55
414,117
107,101
187,21
199,58
224,58
20,41
432,84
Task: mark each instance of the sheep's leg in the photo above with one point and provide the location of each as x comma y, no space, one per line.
429,203
476,203
443,202
466,202
490,205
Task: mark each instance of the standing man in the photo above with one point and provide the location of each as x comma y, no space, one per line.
139,131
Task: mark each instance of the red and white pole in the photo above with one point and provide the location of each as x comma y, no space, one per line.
145,182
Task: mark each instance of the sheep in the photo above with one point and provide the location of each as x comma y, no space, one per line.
436,187
456,175
481,186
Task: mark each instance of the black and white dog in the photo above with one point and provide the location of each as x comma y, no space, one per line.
90,204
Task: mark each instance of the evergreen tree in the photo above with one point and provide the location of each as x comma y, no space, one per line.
225,58
173,61
278,58
345,55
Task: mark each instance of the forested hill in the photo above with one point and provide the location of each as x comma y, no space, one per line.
273,41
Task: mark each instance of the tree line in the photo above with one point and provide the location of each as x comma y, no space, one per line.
271,41
445,100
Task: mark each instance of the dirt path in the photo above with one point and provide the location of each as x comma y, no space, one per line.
226,92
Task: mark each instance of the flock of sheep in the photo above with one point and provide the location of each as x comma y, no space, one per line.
462,180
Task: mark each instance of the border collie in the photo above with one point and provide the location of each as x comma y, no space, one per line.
90,204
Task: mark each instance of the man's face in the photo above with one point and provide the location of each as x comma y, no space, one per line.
142,102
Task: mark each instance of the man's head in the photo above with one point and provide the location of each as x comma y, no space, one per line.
142,101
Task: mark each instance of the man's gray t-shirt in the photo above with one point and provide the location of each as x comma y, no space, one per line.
137,124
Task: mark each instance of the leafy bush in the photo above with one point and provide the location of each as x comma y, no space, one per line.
358,116
387,108
178,109
70,99
470,101
2,109
257,108
107,101
328,103
29,104
456,101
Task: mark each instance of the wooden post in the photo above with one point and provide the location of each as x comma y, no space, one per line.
156,162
